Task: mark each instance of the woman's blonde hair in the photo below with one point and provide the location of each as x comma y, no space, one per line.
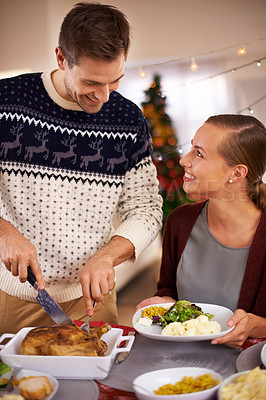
245,144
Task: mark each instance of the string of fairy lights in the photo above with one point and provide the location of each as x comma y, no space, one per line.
194,67
250,107
241,51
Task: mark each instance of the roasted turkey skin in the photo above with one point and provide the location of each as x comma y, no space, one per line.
64,340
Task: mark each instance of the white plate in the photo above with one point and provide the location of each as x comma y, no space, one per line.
221,315
26,373
145,384
250,358
263,355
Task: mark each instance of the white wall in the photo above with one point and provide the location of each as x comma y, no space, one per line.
161,29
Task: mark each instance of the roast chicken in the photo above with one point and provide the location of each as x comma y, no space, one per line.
65,340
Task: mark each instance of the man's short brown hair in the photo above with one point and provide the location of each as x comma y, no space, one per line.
94,30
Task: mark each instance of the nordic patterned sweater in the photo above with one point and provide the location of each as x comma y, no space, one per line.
66,173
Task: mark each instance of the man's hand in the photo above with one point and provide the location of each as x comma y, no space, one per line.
97,277
17,252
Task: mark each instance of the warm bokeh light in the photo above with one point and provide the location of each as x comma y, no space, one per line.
142,73
193,66
241,51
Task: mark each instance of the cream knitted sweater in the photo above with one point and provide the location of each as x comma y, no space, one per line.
66,173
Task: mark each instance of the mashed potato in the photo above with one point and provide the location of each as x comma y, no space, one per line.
251,385
198,326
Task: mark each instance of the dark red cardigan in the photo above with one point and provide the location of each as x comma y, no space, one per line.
177,229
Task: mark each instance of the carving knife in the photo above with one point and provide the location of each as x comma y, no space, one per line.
48,304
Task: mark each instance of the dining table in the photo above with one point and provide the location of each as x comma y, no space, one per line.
146,355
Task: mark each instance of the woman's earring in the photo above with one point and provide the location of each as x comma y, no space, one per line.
230,180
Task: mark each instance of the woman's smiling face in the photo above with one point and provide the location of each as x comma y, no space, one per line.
206,172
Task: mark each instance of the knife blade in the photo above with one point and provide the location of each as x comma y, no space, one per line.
54,311
122,356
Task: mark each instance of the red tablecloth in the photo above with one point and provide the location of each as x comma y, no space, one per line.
107,393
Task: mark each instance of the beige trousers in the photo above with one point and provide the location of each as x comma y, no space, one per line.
16,314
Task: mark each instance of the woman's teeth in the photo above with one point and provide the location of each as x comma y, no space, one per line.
187,175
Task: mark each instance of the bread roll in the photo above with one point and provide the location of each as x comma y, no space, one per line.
35,388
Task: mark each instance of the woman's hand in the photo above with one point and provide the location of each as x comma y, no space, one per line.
245,325
155,300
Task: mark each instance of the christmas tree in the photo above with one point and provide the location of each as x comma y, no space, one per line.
165,148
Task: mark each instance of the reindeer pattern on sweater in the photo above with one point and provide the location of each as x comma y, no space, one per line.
66,173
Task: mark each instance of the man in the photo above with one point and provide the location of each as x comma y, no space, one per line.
73,153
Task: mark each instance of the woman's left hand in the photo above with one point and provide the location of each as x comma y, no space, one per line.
243,325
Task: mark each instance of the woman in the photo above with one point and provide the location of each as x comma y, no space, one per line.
214,251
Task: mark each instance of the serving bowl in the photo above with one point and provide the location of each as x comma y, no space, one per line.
233,379
145,384
65,367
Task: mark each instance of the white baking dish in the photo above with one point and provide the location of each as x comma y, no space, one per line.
65,367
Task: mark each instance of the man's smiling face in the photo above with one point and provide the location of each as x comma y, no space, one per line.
90,82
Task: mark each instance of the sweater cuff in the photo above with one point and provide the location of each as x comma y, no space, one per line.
136,233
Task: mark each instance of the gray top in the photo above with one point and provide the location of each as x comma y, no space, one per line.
207,263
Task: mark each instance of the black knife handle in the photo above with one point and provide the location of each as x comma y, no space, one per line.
31,277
